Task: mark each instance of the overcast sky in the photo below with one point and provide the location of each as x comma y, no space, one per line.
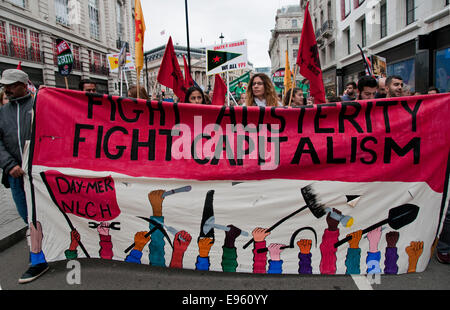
236,19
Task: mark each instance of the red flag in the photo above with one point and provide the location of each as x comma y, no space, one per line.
220,91
170,74
308,59
188,81
19,66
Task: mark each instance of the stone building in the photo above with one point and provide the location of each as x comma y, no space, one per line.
93,28
412,35
285,36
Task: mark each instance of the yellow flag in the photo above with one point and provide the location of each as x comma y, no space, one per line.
139,38
287,75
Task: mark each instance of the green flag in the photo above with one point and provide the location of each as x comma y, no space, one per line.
218,58
239,85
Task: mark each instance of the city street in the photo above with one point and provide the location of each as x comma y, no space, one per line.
98,274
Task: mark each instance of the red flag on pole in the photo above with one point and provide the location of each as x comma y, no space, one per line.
188,81
220,91
170,74
367,62
308,59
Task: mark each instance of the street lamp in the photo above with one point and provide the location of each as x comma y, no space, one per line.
221,38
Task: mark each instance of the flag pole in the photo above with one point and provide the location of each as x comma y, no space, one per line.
292,92
137,83
187,35
228,89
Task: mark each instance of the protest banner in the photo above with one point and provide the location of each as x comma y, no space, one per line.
65,59
226,57
113,61
379,66
350,187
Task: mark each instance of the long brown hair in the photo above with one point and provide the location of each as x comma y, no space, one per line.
132,92
269,91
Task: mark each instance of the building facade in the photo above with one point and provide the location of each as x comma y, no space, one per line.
323,17
412,35
93,29
286,37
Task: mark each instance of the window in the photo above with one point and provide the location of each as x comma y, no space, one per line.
76,57
20,3
383,20
295,40
119,20
18,41
62,12
35,46
363,33
94,19
295,54
294,23
410,11
347,7
3,42
347,36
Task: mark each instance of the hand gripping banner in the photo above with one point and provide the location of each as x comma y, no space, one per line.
340,188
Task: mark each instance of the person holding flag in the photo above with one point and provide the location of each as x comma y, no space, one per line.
139,39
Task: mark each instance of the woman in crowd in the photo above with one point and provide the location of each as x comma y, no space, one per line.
297,98
3,98
261,92
132,92
195,95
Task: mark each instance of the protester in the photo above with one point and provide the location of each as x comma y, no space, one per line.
3,98
433,90
381,93
350,92
406,90
195,94
242,99
304,85
394,86
87,86
417,93
297,98
132,92
207,99
367,88
261,92
15,129
443,246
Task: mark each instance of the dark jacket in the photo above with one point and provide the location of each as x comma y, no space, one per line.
15,128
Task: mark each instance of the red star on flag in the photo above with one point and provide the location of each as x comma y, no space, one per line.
216,59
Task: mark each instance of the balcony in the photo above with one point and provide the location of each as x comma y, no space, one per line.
21,52
327,28
319,38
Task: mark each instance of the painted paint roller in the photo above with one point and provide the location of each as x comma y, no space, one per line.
312,203
345,220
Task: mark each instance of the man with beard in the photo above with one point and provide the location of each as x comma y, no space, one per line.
394,86
350,92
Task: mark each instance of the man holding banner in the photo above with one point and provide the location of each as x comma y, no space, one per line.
15,130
